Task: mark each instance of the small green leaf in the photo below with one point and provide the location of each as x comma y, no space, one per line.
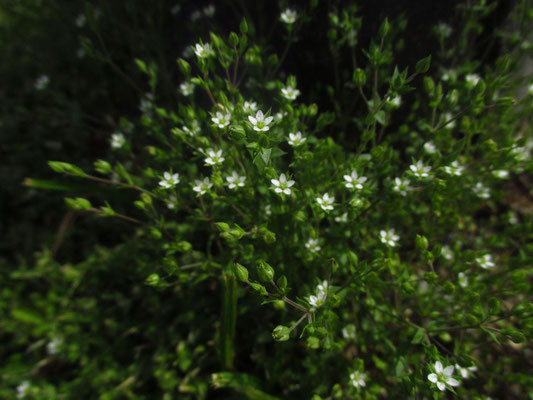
422,66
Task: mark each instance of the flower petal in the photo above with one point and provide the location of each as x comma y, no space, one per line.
452,382
438,364
432,378
448,371
441,386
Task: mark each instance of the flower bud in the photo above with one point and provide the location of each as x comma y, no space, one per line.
421,242
244,26
233,39
222,226
241,272
281,333
265,272
184,66
359,77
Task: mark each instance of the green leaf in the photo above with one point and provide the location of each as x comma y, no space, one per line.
324,119
66,168
422,66
419,336
27,316
244,384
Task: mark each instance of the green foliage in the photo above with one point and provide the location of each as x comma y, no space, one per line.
368,246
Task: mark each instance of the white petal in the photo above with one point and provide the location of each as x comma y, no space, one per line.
452,382
252,120
438,364
290,183
278,190
268,120
448,371
283,178
275,182
432,378
348,178
287,191
259,115
441,386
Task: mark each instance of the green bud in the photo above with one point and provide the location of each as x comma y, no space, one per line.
241,272
313,342
139,204
453,97
184,66
156,233
243,26
421,242
236,132
384,28
282,282
359,77
103,167
222,226
269,237
79,203
233,39
265,272
146,198
152,280
429,85
217,41
422,66
66,168
281,333
312,110
259,288
183,246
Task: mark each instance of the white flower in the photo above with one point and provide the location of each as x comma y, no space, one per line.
465,371
169,180
290,93
481,191
268,209
288,16
312,245
249,106
260,123
23,389
203,50
462,279
117,140
326,202
454,169
80,20
430,148
209,11
447,253
530,89
279,116
193,130
501,173
146,103
513,219
520,153
221,120
342,218
281,185
444,30
172,202
322,293
395,101
448,117
214,157
443,376
296,139
202,186
472,79
389,237
42,82
235,180
54,345
348,332
420,170
485,261
187,88
448,74
354,181
402,186
357,379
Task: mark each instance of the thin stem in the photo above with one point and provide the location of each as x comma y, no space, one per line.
124,217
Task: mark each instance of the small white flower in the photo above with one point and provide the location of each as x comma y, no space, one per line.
322,293
447,253
209,11
354,181
448,117
501,174
420,170
348,332
520,153
80,20
485,261
530,89
42,82
117,140
312,245
193,130
279,116
202,186
214,157
54,346
203,50
465,371
395,101
389,237
443,376
448,75
221,120
288,16
326,202
282,185
147,103
249,106
454,169
342,218
472,79
481,191
169,180
260,123
235,181
172,202
444,30
462,279
23,389
512,217
290,93
268,210
187,88
402,186
430,148
357,379
296,139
